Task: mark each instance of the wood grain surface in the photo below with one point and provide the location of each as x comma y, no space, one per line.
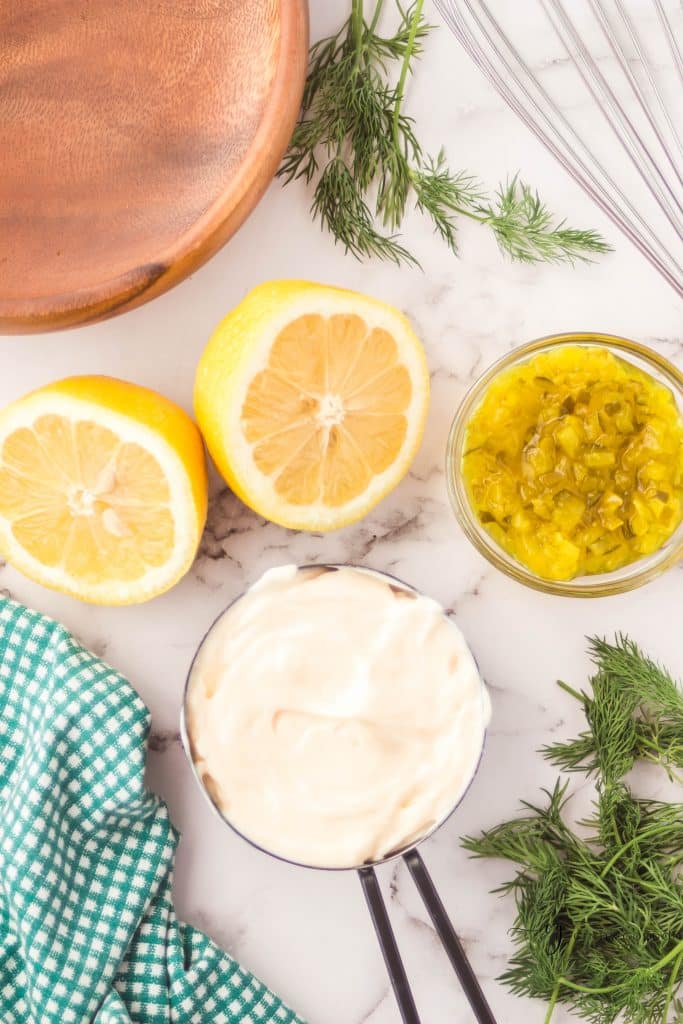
135,137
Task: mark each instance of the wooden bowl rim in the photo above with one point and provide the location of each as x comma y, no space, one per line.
212,229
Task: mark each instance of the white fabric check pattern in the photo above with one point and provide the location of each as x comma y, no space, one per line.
87,927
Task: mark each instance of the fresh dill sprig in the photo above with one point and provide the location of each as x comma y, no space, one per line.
524,228
356,142
635,712
599,921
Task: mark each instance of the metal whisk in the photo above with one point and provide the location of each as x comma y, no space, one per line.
626,61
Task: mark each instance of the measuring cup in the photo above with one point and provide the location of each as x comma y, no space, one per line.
366,872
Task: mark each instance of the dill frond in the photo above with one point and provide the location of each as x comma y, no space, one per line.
355,141
599,922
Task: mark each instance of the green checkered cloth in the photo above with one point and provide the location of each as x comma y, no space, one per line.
87,927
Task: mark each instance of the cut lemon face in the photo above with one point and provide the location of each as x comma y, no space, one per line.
103,489
312,401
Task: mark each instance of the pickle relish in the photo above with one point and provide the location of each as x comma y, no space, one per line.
573,462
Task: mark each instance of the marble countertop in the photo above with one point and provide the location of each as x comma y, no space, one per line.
307,933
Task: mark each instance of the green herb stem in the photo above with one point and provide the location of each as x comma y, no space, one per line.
570,690
566,983
625,847
415,19
357,28
555,995
675,954
375,17
672,981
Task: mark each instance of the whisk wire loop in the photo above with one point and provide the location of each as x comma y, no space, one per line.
648,209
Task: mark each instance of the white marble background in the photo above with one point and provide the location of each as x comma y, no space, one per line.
307,933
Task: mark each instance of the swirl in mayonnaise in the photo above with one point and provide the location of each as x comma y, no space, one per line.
335,716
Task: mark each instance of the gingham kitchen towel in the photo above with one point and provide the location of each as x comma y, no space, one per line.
87,927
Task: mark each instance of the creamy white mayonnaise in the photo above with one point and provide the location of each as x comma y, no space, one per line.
335,716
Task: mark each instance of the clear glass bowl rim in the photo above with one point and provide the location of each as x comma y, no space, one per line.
629,577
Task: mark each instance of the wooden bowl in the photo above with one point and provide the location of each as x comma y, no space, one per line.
135,137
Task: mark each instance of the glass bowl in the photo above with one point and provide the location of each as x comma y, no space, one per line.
599,585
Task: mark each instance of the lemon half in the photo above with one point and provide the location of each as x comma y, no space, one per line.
103,489
312,401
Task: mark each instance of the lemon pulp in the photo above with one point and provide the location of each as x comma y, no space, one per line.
328,412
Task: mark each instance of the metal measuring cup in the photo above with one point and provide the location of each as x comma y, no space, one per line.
366,872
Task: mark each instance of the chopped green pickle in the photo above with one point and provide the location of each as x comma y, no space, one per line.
573,462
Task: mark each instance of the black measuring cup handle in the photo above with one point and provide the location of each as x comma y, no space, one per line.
449,940
387,942
445,931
